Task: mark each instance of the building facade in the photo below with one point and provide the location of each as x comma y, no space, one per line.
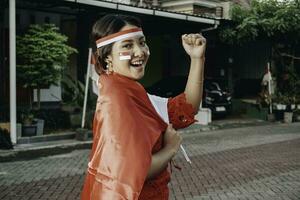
75,18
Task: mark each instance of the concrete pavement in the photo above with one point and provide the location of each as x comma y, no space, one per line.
33,147
250,162
242,163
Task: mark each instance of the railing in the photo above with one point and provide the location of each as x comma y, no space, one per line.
140,3
216,12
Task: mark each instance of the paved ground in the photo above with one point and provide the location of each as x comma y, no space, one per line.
256,162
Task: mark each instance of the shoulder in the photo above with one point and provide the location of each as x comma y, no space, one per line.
114,90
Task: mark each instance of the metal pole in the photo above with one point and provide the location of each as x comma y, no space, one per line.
86,87
12,70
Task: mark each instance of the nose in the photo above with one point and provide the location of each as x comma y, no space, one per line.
139,51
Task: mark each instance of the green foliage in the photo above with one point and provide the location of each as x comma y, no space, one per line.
277,22
73,94
288,88
27,116
269,18
42,54
72,91
291,83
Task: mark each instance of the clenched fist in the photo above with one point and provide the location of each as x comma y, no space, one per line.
172,139
194,45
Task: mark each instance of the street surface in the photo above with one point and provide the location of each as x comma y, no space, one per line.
248,163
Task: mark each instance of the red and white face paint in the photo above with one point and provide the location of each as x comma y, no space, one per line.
125,55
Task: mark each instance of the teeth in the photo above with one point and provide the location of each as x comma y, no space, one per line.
137,62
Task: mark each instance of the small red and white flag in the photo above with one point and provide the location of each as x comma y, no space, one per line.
124,56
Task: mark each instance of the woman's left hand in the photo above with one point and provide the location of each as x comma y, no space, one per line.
194,45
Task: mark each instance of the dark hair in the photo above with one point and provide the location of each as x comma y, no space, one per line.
107,25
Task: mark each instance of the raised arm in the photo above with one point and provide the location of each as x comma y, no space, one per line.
194,45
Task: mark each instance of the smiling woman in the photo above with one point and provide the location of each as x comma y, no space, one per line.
134,138
130,42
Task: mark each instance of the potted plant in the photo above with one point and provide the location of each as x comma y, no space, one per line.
288,114
279,101
28,127
42,56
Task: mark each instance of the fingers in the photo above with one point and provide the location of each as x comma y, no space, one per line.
193,39
175,133
170,125
170,129
172,139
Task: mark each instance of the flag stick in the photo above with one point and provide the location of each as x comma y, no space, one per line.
86,88
185,154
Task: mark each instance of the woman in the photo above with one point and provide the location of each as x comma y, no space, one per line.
133,140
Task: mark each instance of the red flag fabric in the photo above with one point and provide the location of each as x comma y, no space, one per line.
126,128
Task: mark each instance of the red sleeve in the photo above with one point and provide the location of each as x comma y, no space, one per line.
181,113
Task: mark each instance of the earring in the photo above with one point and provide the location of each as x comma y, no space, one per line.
109,68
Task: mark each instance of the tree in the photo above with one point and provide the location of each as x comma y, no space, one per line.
273,20
42,54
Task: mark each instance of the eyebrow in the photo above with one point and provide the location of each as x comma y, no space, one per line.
130,40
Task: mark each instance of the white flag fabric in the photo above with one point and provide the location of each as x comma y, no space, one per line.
94,76
266,79
161,106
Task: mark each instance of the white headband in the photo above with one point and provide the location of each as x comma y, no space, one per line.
119,36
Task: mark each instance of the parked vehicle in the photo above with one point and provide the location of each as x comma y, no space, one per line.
214,96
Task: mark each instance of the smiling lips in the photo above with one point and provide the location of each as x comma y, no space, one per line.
137,63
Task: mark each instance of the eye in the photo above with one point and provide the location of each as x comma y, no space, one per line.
127,46
143,43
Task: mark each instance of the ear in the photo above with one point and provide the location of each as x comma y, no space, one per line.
108,59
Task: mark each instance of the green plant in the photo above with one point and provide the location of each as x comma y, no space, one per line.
274,21
289,83
42,54
72,92
286,99
27,117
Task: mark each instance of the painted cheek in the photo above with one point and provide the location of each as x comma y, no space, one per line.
125,55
